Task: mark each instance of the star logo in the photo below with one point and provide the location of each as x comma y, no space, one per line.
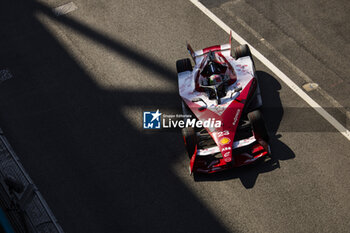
151,120
156,115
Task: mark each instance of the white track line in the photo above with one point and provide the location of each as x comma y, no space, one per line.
276,71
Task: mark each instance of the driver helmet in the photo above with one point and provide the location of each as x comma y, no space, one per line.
214,80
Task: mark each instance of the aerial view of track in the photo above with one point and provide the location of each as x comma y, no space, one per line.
81,75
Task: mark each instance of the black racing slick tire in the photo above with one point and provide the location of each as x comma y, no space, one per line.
258,125
241,51
183,65
190,139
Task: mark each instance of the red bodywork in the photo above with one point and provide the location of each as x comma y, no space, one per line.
224,136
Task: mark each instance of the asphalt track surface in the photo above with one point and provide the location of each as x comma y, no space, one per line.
73,113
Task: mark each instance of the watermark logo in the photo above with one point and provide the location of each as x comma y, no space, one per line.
151,120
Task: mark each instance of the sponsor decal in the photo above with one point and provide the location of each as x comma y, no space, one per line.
228,159
236,117
223,133
224,141
219,109
227,154
226,148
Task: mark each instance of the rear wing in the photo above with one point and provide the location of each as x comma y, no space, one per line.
201,52
192,53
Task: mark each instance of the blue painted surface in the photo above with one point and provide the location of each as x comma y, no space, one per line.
5,224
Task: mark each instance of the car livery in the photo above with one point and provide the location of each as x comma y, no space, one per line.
222,85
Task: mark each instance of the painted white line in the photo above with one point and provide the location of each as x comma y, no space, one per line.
345,132
65,9
5,75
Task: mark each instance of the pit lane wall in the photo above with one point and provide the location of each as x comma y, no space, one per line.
27,211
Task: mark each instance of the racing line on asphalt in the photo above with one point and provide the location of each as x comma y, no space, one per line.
345,132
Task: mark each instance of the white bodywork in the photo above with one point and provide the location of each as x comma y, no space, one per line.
244,71
243,68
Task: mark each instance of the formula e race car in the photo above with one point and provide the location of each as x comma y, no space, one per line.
222,87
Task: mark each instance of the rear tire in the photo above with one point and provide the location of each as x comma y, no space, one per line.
190,138
241,51
183,65
258,125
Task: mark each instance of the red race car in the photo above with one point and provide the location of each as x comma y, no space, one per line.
222,88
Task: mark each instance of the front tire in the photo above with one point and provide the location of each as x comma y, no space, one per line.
258,125
190,139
